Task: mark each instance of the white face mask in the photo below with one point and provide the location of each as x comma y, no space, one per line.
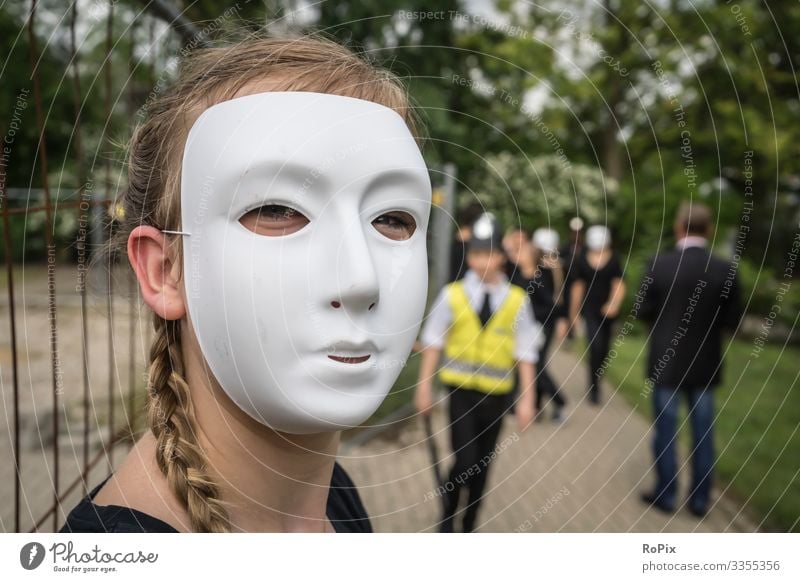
285,321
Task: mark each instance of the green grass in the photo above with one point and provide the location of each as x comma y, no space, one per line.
757,426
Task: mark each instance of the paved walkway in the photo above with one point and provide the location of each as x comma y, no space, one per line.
584,475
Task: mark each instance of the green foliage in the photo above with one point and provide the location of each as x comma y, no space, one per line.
762,290
755,427
443,59
546,190
615,110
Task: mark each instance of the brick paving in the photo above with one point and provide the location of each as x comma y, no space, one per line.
583,475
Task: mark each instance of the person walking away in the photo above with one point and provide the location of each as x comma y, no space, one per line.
689,297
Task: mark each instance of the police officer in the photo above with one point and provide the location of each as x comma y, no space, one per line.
486,329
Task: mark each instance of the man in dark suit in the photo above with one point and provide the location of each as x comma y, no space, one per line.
689,297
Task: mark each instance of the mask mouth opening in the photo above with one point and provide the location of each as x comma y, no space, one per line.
350,359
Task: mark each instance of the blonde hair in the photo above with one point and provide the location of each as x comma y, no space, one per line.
207,77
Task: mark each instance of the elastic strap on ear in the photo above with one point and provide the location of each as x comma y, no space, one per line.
176,232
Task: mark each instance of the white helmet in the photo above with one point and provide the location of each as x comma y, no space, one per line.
546,239
598,237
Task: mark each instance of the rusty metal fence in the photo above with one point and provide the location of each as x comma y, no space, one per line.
63,424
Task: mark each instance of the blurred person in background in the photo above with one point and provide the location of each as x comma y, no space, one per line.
466,217
519,266
486,329
597,294
689,297
548,305
570,252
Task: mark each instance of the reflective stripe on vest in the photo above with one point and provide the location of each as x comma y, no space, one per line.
481,357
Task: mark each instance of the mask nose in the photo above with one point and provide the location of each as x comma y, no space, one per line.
356,287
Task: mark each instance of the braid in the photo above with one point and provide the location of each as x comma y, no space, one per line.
171,418
296,62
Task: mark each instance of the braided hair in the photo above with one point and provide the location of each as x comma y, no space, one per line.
152,197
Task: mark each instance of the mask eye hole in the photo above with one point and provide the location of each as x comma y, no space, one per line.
273,220
396,225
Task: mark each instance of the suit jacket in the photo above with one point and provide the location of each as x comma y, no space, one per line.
689,297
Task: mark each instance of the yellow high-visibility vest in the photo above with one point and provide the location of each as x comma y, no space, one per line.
481,357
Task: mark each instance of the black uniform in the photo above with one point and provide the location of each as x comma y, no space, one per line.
458,262
541,289
598,326
570,253
543,296
345,511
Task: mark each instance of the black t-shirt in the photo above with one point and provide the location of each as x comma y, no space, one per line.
598,282
345,511
541,290
458,262
546,309
570,255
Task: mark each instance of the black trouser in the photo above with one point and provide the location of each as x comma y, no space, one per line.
475,422
598,334
545,385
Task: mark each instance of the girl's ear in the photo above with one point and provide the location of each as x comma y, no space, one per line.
157,271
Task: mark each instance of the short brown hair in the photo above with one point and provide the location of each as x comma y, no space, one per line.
695,218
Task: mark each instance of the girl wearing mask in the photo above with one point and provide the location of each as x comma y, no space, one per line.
275,220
